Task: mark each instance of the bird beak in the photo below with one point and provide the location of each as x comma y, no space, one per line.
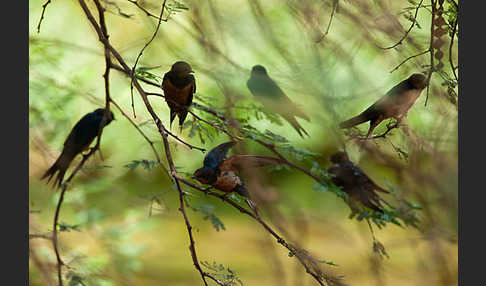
193,177
191,71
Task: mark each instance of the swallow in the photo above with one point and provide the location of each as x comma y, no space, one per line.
223,173
395,103
179,86
273,98
81,136
355,183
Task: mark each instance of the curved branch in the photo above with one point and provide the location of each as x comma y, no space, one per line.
42,15
141,52
409,29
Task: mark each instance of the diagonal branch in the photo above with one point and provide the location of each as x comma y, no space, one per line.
42,15
409,29
280,240
141,52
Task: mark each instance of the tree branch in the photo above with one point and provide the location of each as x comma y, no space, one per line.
141,52
409,29
42,15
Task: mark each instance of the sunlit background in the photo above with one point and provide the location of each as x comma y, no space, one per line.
120,223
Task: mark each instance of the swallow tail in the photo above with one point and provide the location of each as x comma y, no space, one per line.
363,117
242,162
292,121
242,190
59,167
172,117
182,118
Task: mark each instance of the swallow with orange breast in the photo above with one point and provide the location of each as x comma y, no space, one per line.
355,183
81,136
265,90
179,86
395,103
222,173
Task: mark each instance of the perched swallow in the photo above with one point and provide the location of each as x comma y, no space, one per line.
395,103
179,86
222,173
273,98
355,182
81,136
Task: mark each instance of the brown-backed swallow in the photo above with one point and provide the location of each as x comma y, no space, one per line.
81,136
273,98
222,173
179,86
395,103
355,182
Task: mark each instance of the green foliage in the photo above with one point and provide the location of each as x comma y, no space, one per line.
119,11
208,211
146,164
173,7
226,275
68,227
143,73
327,262
198,128
75,279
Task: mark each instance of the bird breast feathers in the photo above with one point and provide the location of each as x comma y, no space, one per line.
180,95
227,181
398,104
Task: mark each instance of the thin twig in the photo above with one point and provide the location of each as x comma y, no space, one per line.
409,29
162,130
36,235
140,54
334,7
151,143
432,68
145,10
60,263
450,50
241,209
42,15
409,58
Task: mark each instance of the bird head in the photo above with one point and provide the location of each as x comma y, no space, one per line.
205,175
258,70
181,69
101,112
418,80
339,157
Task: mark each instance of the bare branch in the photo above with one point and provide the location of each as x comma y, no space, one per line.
450,50
409,58
141,52
147,12
60,263
42,15
334,8
151,143
409,29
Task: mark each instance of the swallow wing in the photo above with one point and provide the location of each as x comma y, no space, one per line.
238,163
217,155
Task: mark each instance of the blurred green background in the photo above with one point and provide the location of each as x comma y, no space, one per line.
122,225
